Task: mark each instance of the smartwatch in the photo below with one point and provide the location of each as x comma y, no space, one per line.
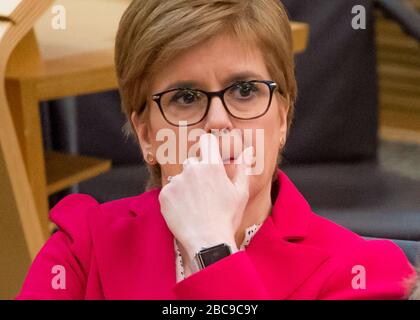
209,255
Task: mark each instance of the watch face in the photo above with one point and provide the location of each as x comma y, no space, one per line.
211,255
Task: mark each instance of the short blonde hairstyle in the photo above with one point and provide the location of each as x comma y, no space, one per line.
152,32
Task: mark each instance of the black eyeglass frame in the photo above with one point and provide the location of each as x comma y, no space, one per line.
157,99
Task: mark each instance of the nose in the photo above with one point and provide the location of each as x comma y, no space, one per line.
217,116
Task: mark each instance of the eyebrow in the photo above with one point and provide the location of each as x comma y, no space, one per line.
240,76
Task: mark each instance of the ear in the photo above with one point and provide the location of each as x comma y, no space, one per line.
143,134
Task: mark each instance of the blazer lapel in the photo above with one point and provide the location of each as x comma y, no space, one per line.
278,249
282,265
145,268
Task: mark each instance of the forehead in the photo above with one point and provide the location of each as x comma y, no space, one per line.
212,63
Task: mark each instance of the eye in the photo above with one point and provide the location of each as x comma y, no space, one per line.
186,96
244,90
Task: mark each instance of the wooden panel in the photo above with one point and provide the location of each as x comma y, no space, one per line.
66,170
10,34
8,8
399,78
94,72
399,135
4,27
397,125
14,255
405,58
415,3
91,25
399,88
26,117
400,119
21,234
86,34
19,240
401,41
25,58
300,33
400,101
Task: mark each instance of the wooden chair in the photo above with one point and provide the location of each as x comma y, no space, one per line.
19,224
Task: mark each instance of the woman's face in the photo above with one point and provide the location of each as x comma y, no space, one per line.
213,66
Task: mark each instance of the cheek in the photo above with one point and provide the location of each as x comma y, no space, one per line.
163,142
268,149
272,124
158,127
172,145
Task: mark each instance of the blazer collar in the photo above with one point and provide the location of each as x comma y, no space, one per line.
291,212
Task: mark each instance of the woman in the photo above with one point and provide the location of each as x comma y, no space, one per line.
211,226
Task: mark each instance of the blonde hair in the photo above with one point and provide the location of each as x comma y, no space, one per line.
152,32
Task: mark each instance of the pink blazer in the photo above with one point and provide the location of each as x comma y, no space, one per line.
123,249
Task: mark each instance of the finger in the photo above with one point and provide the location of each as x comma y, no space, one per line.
209,148
243,170
190,160
170,179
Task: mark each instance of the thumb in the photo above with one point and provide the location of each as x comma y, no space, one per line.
243,170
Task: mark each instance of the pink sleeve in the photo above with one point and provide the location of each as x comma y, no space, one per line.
378,270
232,278
60,269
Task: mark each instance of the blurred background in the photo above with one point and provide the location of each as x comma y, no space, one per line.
353,151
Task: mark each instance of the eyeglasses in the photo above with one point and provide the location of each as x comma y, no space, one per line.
244,100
